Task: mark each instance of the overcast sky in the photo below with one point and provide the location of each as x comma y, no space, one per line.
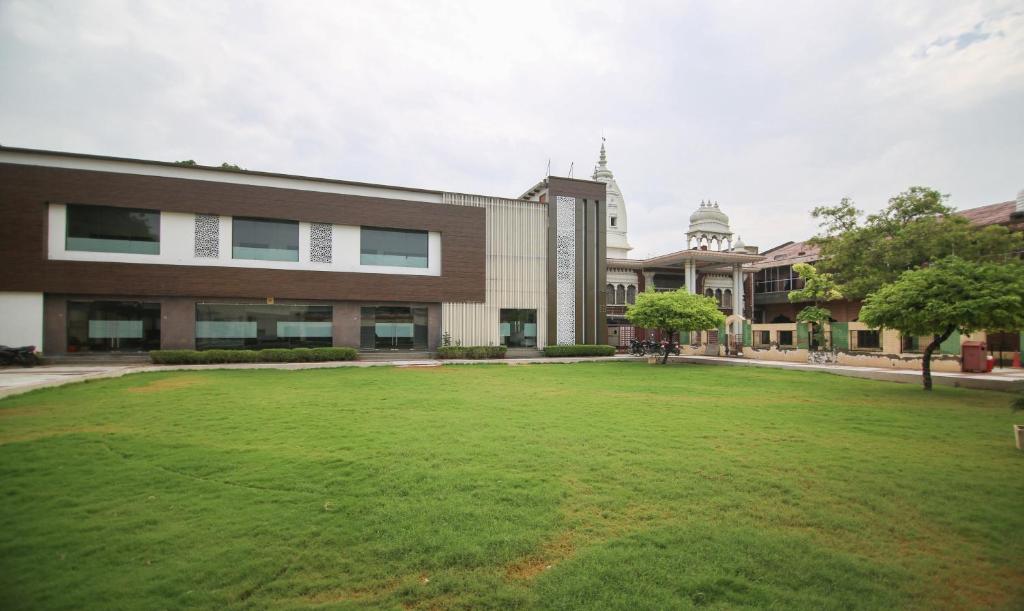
768,109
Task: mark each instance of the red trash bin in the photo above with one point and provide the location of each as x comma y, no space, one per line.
973,357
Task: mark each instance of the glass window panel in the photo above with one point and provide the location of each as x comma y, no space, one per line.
393,247
303,329
113,326
112,229
264,239
114,329
229,325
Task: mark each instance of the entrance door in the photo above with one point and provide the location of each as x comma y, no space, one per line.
519,328
393,328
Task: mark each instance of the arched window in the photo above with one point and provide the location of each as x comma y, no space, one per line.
620,295
709,293
610,295
631,294
718,296
727,296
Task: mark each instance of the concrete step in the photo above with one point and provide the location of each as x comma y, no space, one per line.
396,355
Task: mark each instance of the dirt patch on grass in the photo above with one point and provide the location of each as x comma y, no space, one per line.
559,548
173,383
57,432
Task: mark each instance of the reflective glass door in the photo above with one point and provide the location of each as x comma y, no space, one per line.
518,328
393,328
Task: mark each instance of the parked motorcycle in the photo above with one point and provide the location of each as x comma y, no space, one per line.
24,356
669,347
636,347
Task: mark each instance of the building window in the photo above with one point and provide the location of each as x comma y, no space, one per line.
231,325
393,247
110,229
865,340
609,294
264,239
777,280
785,338
762,338
113,326
518,328
620,295
614,221
909,343
631,294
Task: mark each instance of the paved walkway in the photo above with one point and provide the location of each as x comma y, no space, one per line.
16,380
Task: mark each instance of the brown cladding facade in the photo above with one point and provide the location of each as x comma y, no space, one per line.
27,190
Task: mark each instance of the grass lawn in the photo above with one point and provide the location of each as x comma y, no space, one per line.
605,485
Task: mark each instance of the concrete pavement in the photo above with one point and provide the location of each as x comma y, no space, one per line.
16,380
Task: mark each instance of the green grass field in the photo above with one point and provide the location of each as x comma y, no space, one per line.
611,485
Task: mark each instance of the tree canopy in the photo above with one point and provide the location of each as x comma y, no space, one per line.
916,227
673,311
951,294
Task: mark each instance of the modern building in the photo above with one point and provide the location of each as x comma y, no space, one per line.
105,254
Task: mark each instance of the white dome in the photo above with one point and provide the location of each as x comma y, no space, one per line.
709,219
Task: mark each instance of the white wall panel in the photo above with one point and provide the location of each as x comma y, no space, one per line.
516,275
21,319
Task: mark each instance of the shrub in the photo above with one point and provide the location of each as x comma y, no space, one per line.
580,350
268,355
333,354
471,352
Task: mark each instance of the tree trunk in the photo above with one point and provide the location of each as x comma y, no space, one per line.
926,362
664,359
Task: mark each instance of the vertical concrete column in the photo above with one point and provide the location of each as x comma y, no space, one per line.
648,281
737,296
691,276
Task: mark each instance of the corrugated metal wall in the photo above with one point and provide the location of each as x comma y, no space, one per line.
516,270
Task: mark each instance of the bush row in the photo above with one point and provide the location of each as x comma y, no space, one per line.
268,355
471,352
580,350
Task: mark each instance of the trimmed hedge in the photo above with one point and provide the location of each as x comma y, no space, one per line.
471,352
580,350
268,355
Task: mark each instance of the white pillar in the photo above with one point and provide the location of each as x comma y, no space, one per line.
737,295
648,281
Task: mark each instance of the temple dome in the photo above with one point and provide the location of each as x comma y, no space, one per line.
709,219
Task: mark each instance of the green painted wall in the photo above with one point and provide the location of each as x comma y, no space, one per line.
840,335
748,335
802,339
951,345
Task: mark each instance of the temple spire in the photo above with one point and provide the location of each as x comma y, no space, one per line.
602,171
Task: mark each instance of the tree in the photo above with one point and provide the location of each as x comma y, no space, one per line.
819,287
674,311
949,295
188,163
914,228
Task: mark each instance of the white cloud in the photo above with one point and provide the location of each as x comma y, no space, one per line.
768,109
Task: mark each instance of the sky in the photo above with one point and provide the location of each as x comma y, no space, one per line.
770,109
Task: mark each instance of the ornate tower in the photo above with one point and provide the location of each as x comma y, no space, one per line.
617,247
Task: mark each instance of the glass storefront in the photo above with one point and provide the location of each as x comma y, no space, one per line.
393,328
519,328
113,326
229,325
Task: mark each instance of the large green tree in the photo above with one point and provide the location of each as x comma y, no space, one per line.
949,295
674,311
917,226
819,288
